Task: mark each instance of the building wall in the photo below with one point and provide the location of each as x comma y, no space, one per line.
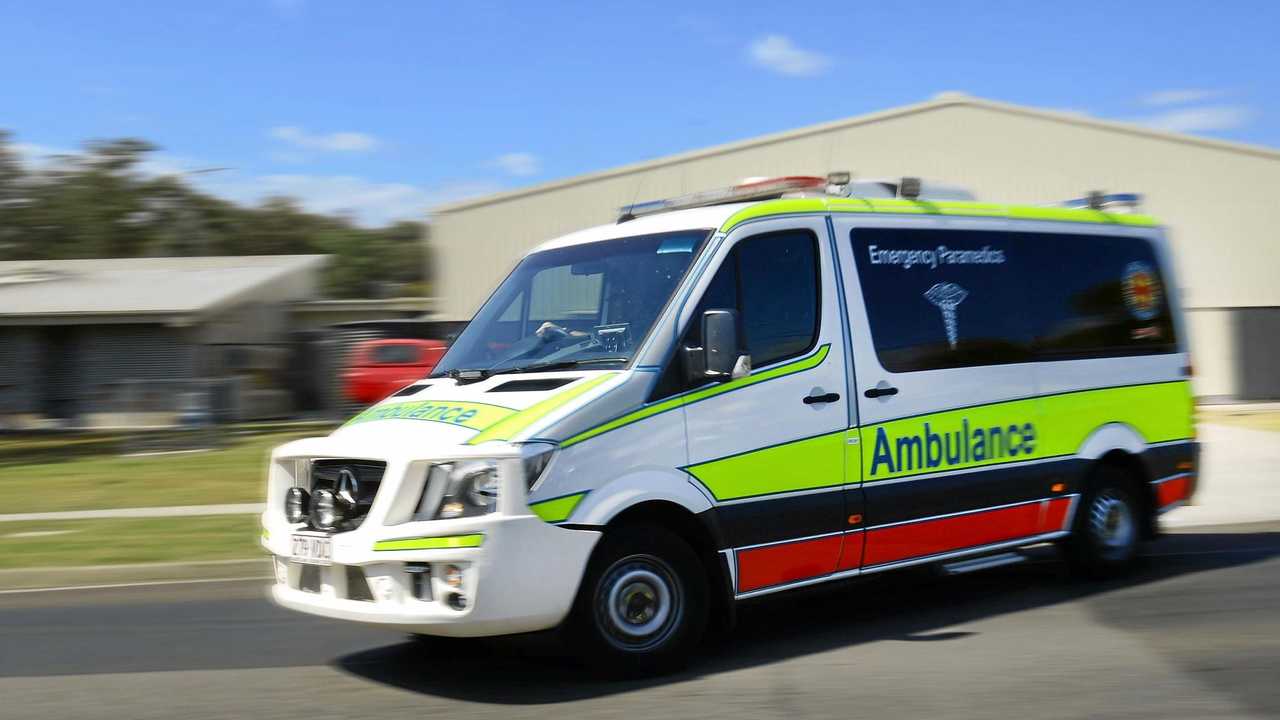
19,371
1217,202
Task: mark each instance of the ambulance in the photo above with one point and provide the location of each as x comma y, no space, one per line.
750,390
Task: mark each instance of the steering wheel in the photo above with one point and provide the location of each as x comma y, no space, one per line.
552,338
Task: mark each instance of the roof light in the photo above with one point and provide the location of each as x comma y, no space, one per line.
909,188
1096,200
742,192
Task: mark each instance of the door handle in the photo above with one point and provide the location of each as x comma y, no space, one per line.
876,392
827,398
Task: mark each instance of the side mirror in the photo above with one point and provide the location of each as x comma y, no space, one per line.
718,358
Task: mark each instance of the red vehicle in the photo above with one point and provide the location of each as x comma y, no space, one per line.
380,367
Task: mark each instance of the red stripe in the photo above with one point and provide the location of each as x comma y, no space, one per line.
851,552
1055,515
930,537
788,562
1172,490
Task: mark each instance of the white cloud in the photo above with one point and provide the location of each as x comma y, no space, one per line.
518,164
778,54
1183,96
369,202
35,155
330,142
1200,119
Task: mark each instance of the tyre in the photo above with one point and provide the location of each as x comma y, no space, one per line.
642,606
1107,531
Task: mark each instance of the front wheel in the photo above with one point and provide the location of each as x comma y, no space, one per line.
1108,529
642,606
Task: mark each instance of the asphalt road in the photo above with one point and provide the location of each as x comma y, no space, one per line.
1194,634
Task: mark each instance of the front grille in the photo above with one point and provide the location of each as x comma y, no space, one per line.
357,585
355,482
309,578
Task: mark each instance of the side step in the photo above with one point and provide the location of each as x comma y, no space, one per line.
985,562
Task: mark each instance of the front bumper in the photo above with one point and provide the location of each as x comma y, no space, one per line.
522,576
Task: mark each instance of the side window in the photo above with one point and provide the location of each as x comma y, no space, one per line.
944,298
778,295
772,282
1101,296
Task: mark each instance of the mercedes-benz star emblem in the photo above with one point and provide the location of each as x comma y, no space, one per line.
348,486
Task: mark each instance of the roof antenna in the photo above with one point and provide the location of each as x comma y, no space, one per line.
1095,199
628,214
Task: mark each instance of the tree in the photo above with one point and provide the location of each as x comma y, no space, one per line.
101,204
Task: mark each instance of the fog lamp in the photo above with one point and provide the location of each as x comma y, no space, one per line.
453,576
325,513
295,504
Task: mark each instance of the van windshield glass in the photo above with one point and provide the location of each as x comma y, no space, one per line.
582,305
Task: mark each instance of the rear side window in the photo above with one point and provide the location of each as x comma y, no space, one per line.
1097,296
945,299
772,281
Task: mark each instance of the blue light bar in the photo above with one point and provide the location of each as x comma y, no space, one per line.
1098,201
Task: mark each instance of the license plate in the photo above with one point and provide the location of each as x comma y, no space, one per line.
312,549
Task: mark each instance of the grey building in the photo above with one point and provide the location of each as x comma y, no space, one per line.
1217,199
130,341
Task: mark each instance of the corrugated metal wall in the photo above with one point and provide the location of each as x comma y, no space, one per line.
19,370
108,356
1218,202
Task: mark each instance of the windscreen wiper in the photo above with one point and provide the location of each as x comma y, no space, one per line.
558,365
470,375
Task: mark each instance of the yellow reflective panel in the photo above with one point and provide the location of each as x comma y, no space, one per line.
1019,430
432,543
773,208
557,509
473,415
808,464
512,425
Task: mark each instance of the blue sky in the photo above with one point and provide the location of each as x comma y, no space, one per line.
384,108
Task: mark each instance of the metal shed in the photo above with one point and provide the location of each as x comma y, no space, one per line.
89,342
1215,197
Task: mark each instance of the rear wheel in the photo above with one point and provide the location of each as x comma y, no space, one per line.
642,606
1108,526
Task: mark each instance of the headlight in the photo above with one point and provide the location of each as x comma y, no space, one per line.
325,513
295,504
464,489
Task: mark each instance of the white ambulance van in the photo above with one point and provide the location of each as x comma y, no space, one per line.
747,391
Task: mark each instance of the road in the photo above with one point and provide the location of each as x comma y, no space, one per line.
1194,634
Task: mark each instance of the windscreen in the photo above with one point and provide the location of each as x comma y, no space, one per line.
589,304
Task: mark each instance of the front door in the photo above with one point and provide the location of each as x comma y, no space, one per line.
769,448
942,339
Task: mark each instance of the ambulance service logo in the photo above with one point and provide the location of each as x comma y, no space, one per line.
1141,291
947,296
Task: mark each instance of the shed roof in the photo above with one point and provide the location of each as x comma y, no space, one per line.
940,101
137,289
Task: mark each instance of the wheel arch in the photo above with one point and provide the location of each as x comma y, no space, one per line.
1121,446
700,532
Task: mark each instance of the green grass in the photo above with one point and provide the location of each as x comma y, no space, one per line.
48,474
1266,420
117,541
